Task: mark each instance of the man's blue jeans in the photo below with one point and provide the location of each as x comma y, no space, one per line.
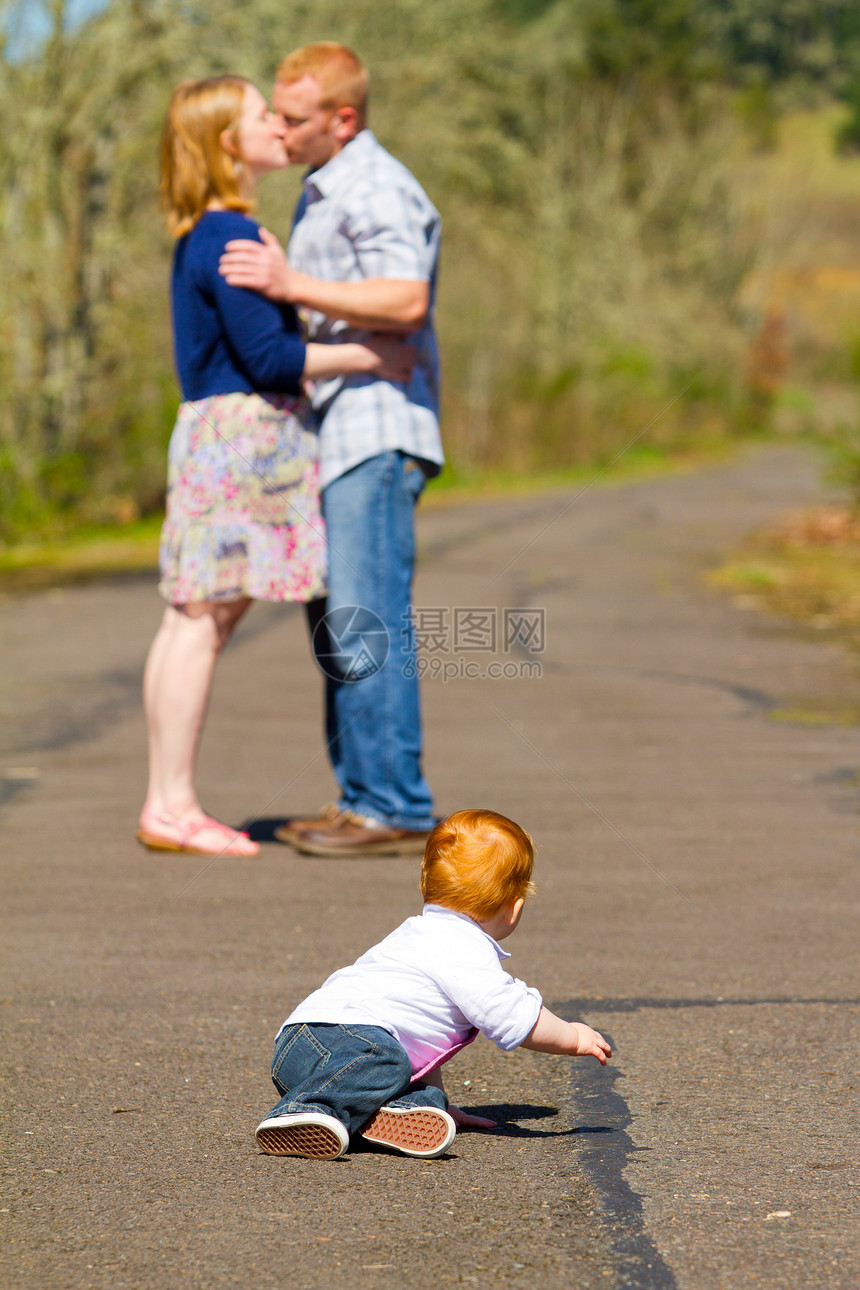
373,725
345,1071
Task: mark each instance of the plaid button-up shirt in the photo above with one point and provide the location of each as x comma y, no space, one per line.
363,215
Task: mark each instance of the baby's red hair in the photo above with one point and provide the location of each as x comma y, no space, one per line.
477,862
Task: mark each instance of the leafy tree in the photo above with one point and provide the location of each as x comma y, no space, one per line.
581,152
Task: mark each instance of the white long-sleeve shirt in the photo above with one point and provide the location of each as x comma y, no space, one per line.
433,984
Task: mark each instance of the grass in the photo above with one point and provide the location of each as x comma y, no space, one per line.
816,715
807,569
90,553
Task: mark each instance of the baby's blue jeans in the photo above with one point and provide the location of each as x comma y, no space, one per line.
345,1071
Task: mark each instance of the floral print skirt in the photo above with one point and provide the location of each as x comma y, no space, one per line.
243,508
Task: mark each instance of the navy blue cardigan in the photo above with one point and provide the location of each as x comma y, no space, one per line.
227,339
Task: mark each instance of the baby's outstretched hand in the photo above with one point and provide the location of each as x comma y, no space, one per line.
590,1043
550,1034
464,1120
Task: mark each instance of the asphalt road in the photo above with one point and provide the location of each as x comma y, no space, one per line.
698,903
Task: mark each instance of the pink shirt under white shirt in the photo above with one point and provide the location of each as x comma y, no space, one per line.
433,984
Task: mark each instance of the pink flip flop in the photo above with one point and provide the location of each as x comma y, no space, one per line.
236,844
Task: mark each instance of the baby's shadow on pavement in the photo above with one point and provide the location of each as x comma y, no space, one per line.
508,1117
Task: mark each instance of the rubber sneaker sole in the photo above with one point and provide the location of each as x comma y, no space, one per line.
419,1131
312,1140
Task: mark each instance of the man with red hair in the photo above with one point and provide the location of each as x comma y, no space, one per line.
362,258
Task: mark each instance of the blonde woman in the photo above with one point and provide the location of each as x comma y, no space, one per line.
243,518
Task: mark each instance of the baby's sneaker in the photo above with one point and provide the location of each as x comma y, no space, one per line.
306,1133
414,1130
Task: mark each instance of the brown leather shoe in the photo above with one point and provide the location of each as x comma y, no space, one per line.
291,829
352,835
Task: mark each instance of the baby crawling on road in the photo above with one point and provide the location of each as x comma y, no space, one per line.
363,1054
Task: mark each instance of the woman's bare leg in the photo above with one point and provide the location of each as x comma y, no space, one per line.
176,686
